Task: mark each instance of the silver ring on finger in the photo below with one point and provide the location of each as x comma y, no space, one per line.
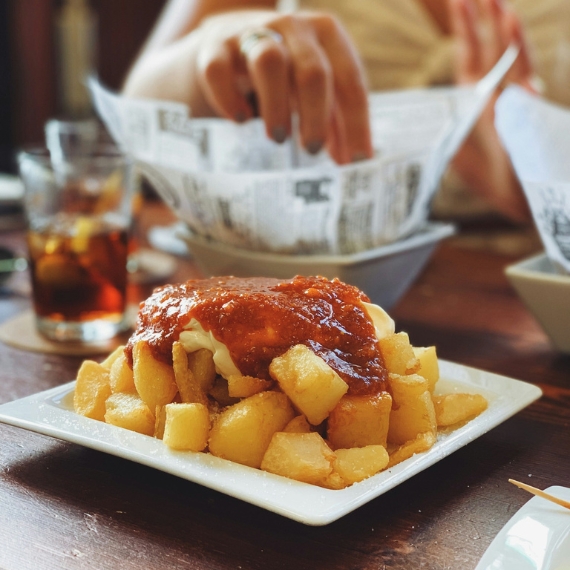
249,39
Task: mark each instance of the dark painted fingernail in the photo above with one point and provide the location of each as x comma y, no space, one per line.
314,147
240,117
279,134
251,98
357,157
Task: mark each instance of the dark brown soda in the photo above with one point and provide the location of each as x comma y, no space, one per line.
79,274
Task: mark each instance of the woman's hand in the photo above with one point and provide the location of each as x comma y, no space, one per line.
483,30
302,62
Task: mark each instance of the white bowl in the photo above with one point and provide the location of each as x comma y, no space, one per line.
546,293
383,273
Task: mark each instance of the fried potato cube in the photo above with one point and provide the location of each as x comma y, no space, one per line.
159,421
412,418
452,409
154,380
422,442
398,354
359,463
413,412
121,376
301,456
108,362
407,387
311,384
188,387
187,426
429,366
130,412
334,481
242,432
92,388
201,364
358,421
298,424
245,386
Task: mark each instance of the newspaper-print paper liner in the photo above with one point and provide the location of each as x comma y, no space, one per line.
536,134
232,184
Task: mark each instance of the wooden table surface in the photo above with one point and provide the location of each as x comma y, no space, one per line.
64,506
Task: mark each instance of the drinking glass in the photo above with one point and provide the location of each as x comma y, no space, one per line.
78,211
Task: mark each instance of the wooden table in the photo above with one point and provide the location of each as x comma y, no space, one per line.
64,506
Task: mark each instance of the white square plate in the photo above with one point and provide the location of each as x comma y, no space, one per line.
51,413
536,538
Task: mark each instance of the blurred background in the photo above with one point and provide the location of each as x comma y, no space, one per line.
45,45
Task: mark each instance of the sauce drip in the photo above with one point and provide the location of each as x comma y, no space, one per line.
261,318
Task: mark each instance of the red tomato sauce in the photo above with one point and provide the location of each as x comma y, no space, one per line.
261,318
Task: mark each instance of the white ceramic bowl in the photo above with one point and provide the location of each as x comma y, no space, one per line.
383,273
546,293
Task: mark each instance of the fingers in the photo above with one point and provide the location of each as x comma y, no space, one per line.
483,30
309,66
523,70
351,99
312,84
219,79
324,73
494,33
267,66
479,29
469,51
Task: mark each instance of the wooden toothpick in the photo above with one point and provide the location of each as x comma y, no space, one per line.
540,493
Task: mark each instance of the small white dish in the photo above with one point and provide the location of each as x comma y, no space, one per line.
51,413
147,266
384,273
168,239
546,293
11,191
536,538
11,203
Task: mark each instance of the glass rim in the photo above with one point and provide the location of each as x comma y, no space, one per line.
100,152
